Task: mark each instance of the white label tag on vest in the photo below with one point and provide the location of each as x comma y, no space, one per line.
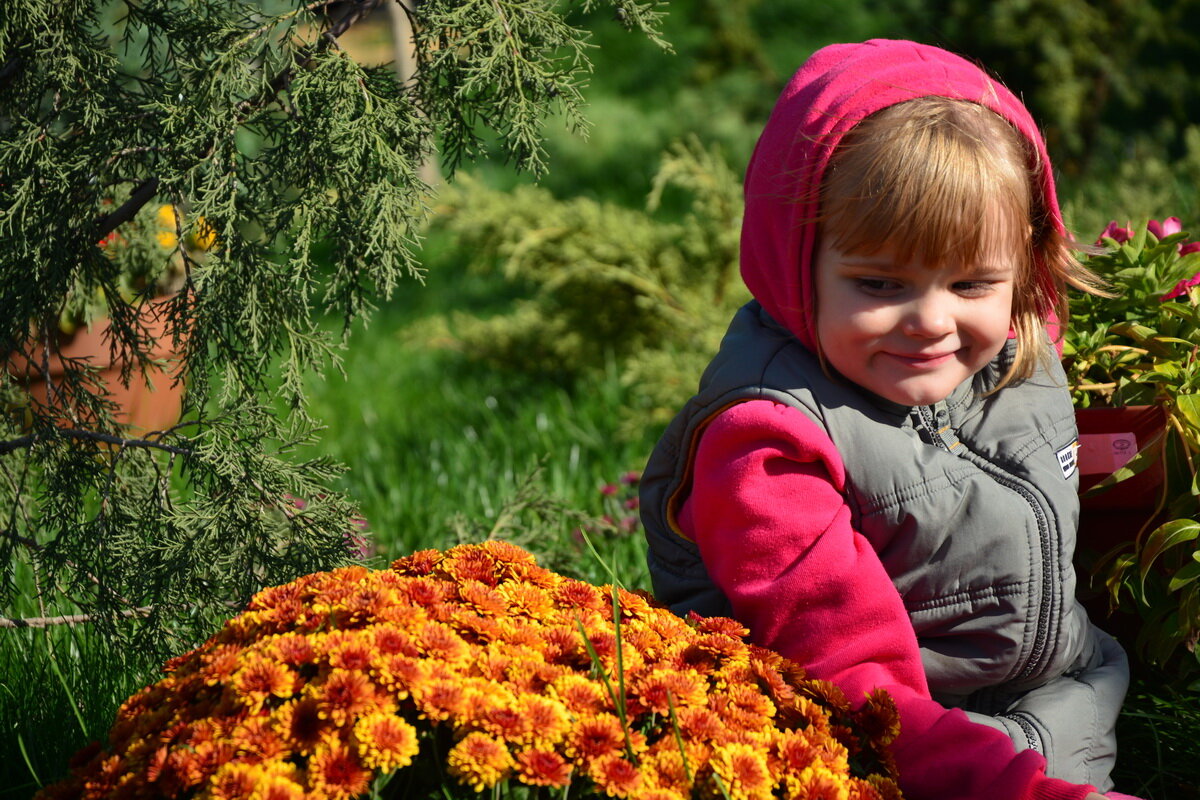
1066,459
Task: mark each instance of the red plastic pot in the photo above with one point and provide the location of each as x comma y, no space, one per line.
1109,437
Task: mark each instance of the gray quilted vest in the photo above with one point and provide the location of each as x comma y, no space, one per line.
971,505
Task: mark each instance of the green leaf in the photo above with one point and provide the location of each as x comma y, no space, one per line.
1145,458
1144,335
1188,573
1189,407
1163,538
1118,578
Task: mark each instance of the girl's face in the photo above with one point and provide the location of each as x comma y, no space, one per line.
908,332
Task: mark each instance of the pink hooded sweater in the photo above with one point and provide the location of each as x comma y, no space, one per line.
796,572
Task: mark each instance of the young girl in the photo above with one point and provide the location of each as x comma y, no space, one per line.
877,475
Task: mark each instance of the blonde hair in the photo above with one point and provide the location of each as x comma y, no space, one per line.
942,181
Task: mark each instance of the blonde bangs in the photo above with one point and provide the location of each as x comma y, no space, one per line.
934,180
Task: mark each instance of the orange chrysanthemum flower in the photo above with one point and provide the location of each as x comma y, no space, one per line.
581,695
387,640
350,650
547,718
292,649
596,737
257,739
439,699
259,678
300,725
421,562
278,788
440,643
667,767
465,563
334,772
479,761
661,689
483,598
524,598
543,767
818,783
577,594
615,776
346,694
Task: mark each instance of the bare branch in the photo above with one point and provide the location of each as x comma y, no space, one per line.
24,442
69,619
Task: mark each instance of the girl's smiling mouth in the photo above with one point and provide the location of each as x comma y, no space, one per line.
923,360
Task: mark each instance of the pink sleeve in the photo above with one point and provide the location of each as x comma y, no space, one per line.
768,513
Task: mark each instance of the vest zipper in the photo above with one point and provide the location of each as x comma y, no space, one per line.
1049,574
929,423
1027,727
1049,561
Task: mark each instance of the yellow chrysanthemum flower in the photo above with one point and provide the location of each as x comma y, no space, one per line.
385,742
817,783
743,771
479,761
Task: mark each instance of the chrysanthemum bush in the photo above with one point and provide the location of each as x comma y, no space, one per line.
475,669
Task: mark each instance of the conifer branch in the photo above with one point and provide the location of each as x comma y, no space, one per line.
148,188
41,548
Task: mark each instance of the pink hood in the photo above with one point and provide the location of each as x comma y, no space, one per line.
836,88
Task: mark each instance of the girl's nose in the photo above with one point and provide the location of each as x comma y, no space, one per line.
929,316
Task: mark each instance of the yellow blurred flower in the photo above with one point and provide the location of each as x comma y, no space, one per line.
204,235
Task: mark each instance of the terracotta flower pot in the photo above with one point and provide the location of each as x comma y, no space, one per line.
152,401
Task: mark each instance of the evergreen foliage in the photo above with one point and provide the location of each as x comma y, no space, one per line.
1087,68
602,281
265,139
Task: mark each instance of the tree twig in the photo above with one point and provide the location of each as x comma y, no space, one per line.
29,440
68,619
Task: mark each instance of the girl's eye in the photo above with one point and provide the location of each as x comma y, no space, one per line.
973,288
877,286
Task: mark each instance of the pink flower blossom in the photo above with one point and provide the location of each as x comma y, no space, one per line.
631,504
1116,233
608,489
1182,287
631,478
1190,247
1162,230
